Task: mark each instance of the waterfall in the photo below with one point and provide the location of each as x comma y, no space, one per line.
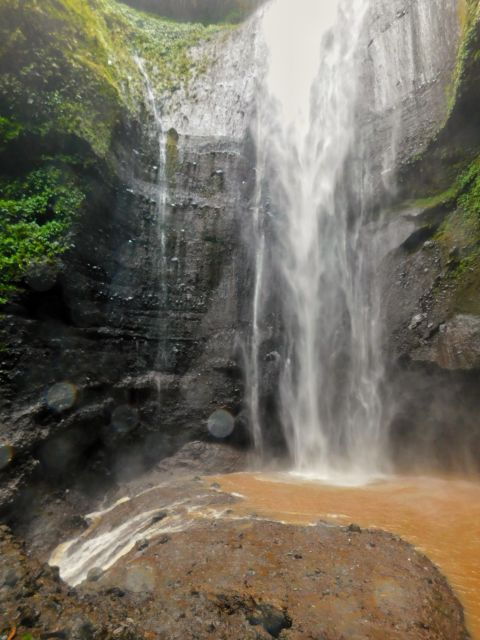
310,210
158,134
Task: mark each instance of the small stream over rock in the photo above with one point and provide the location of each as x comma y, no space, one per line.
167,534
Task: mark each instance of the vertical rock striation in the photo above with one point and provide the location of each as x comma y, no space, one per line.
142,373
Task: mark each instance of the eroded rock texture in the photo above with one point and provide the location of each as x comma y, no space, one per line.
141,325
150,340
214,579
430,270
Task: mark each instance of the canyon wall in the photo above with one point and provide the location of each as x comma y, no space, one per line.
112,360
101,375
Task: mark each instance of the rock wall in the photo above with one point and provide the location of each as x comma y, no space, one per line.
139,375
430,236
101,374
116,362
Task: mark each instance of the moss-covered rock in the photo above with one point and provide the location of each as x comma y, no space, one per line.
207,11
445,179
71,65
69,81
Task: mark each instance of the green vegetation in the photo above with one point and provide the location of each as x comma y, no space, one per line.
464,193
35,215
462,227
469,16
205,11
469,190
68,80
69,65
438,200
459,238
9,130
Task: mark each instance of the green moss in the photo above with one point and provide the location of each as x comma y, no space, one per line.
9,130
35,215
205,11
469,16
68,79
459,240
437,200
69,65
469,190
463,193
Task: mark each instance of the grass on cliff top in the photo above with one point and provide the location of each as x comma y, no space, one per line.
459,239
68,65
68,76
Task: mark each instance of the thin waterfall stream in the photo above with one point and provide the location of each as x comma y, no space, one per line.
158,134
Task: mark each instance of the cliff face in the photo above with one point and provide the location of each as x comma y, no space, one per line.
430,272
112,357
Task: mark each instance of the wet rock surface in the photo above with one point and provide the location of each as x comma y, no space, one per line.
142,365
456,345
41,515
217,579
429,276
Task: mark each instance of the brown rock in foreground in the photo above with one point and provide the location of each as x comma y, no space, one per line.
239,580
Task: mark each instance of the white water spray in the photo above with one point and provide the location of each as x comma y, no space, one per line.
310,174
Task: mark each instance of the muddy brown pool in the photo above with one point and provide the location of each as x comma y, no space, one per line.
440,517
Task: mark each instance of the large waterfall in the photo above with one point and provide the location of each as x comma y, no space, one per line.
313,261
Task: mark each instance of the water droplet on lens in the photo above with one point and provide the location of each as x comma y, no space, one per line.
6,455
124,419
221,424
61,396
140,579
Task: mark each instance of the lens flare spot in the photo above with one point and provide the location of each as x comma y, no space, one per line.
140,579
6,455
221,424
124,419
62,396
41,277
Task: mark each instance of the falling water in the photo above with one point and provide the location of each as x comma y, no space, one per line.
311,186
157,133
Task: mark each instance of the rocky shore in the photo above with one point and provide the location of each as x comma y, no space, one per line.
190,568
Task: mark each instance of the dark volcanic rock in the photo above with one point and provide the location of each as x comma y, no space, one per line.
227,587
205,458
108,372
456,344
